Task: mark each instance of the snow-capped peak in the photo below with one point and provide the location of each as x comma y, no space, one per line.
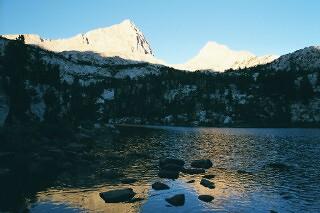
215,56
123,40
126,41
128,23
213,47
219,57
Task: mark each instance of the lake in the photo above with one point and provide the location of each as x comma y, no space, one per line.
256,170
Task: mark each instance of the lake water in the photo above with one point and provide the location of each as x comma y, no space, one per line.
257,170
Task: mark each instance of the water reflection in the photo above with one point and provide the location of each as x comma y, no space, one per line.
84,200
257,170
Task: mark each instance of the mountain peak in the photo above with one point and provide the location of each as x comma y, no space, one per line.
128,22
124,40
215,48
214,45
219,57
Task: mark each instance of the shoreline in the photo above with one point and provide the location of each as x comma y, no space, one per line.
218,127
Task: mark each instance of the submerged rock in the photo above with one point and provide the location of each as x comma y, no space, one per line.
203,163
208,176
279,166
206,198
207,183
174,161
160,186
168,174
192,171
177,200
172,167
128,180
117,196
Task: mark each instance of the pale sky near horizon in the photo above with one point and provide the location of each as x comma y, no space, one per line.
176,29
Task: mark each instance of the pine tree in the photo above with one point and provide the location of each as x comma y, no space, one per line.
16,59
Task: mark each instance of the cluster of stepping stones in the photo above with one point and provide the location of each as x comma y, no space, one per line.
170,168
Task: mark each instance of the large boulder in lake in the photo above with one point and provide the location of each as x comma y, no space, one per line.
207,183
117,196
203,163
176,200
168,174
171,167
160,186
175,161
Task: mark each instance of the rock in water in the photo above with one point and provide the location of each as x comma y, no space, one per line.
205,198
160,186
168,174
175,161
203,163
177,200
207,183
192,171
171,167
117,196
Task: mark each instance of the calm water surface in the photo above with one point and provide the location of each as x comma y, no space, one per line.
280,171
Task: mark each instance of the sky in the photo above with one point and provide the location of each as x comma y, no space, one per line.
175,29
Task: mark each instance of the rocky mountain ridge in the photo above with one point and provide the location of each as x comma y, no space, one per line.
122,40
125,41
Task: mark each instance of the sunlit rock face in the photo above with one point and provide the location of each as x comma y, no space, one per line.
123,40
254,61
218,57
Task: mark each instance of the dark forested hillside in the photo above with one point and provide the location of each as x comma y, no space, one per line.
255,97
33,90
